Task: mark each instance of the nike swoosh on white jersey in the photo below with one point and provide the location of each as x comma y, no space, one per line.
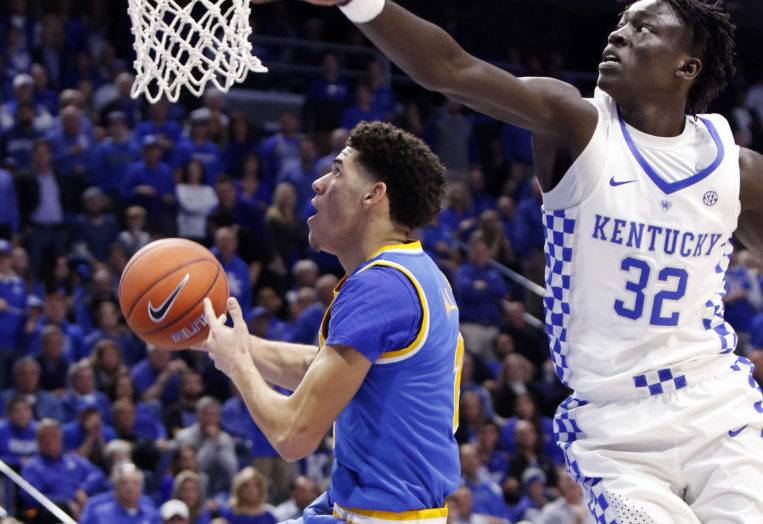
158,314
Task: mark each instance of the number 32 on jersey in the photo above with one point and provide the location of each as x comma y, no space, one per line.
633,307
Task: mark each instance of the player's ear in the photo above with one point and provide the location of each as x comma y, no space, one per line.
375,193
690,68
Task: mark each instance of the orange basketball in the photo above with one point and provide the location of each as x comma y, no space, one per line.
162,289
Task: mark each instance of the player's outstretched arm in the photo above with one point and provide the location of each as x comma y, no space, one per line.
296,424
434,60
750,228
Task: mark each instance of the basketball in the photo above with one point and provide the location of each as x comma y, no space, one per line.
162,288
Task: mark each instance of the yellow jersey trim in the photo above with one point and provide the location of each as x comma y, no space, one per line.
410,246
363,516
400,354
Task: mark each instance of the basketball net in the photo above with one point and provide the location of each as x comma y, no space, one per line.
189,43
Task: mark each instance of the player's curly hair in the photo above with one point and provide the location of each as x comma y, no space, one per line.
414,176
712,37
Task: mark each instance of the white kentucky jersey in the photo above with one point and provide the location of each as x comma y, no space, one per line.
638,239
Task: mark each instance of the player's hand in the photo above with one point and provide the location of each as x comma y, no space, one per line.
228,349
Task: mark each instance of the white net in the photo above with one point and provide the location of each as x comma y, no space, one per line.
189,43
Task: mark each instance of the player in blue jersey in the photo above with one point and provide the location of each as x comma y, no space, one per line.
641,196
387,371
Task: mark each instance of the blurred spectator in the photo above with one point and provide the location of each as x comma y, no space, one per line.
188,488
182,413
53,364
742,291
362,110
469,385
50,50
67,479
147,442
453,140
107,362
88,434
23,93
530,342
13,303
534,496
486,494
544,427
280,153
72,150
123,102
125,504
17,141
570,508
498,245
457,214
285,228
20,264
301,176
43,94
239,280
251,188
214,104
249,494
55,311
166,130
18,17
198,146
479,290
183,460
156,377
26,379
42,209
214,447
470,417
18,439
150,183
338,139
493,459
110,327
515,379
326,97
529,231
528,455
382,97
113,155
195,202
174,511
262,323
241,142
302,493
94,231
135,236
309,321
80,380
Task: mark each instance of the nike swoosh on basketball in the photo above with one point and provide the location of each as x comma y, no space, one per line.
615,183
737,432
158,314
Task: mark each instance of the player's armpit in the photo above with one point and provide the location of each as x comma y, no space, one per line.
750,228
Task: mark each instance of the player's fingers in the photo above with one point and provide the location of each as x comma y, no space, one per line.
209,312
234,310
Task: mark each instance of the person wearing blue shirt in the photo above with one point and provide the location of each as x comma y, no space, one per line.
167,131
383,98
113,155
66,478
199,147
18,439
326,97
125,504
17,141
13,301
487,495
756,331
55,309
149,182
386,373
88,435
479,289
26,379
302,175
81,383
247,503
72,150
239,282
363,109
280,152
308,322
156,377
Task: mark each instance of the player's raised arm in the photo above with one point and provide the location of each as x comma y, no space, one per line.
434,60
750,228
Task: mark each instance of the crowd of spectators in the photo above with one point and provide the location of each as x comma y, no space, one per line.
108,428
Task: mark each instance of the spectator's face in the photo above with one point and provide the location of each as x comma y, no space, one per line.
50,441
191,385
152,154
70,121
289,124
525,435
187,460
159,358
478,253
55,309
488,436
27,379
41,157
189,492
525,407
124,419
20,260
225,242
305,491
83,381
107,315
195,174
6,263
110,358
128,489
307,151
20,414
124,387
470,461
504,346
210,415
250,492
226,192
53,345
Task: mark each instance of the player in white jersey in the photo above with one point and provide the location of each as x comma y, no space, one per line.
640,203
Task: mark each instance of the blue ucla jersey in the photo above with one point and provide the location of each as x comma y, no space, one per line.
638,240
394,445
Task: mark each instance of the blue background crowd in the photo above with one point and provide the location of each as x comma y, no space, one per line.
90,175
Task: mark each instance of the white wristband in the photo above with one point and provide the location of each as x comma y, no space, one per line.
362,11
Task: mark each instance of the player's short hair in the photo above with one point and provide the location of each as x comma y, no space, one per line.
712,40
414,176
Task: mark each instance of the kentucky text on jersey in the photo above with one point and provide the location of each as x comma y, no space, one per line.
651,237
